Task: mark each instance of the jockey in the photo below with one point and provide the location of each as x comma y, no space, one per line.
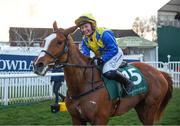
102,42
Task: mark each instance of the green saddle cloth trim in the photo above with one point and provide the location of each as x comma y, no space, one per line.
116,90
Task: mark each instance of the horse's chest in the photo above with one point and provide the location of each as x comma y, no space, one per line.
83,109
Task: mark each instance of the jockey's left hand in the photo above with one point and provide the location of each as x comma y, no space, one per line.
97,61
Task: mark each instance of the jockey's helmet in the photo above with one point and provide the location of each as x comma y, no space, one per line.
86,18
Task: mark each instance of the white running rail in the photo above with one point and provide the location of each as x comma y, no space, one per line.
18,87
26,87
173,68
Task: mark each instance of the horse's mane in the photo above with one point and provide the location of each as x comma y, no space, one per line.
83,57
72,44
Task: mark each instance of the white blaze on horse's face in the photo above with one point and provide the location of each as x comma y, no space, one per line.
41,65
48,40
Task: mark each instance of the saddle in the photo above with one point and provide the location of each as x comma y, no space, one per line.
123,64
116,90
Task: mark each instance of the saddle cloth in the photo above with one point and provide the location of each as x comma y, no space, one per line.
116,90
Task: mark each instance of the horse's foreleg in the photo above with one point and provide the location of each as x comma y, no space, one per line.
100,121
77,121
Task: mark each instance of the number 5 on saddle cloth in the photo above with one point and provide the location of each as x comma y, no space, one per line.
116,90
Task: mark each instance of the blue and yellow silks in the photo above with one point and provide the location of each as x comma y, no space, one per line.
102,43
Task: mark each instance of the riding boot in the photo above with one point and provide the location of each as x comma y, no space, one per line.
125,81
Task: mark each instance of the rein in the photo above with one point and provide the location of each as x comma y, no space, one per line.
60,65
63,64
85,93
92,82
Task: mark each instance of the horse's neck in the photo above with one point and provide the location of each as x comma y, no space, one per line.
76,78
75,56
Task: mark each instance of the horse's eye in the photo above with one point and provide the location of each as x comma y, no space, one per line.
59,42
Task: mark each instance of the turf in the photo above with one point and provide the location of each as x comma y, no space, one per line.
39,114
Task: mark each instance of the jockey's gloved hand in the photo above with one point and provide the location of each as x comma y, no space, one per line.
97,61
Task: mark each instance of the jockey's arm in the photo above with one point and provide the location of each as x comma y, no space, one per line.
110,44
84,49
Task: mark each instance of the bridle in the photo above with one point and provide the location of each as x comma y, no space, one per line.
64,51
58,64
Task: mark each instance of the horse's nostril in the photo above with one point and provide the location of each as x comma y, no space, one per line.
40,65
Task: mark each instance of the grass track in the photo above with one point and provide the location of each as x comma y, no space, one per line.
39,114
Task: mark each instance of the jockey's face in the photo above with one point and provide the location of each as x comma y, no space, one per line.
86,29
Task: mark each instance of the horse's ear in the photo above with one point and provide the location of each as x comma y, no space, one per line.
70,30
55,27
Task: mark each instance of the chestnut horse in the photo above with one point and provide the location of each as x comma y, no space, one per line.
87,99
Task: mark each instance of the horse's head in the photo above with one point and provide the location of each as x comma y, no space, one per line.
55,49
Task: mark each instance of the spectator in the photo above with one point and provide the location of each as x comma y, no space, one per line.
57,83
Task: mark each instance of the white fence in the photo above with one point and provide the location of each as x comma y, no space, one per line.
28,87
173,68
